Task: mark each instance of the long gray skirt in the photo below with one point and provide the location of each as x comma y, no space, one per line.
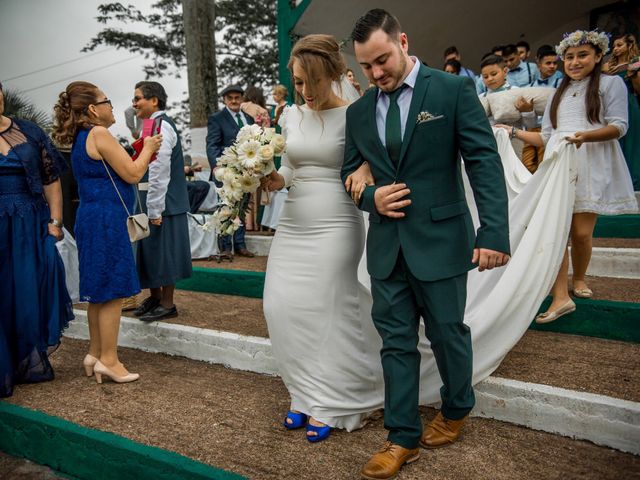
164,257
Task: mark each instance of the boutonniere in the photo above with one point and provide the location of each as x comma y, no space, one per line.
427,117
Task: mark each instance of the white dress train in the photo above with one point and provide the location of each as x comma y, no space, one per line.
318,313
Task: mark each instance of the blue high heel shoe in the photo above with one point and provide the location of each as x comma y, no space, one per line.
322,433
298,420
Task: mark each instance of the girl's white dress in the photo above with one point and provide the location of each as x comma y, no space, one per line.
604,184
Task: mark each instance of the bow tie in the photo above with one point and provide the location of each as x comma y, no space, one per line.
517,69
543,82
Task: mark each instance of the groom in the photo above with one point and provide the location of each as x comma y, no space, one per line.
421,240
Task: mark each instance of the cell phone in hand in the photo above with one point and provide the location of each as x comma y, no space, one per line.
151,127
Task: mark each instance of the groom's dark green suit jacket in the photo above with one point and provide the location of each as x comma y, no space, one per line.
436,235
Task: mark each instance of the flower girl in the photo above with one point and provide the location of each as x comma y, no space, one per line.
588,110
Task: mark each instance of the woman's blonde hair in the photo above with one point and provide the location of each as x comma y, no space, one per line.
318,55
281,90
70,112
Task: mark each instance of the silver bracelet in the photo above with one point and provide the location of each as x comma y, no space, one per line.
55,223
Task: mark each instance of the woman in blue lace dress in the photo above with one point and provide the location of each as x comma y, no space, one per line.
34,303
105,174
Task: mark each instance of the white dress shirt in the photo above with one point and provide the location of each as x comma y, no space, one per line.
404,102
160,170
243,118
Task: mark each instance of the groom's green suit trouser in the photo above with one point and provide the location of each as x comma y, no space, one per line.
399,302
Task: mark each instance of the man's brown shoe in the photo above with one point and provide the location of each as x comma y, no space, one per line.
243,252
441,432
388,461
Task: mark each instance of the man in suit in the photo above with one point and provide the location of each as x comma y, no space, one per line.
421,242
222,128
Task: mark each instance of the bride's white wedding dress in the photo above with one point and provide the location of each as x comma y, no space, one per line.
318,314
315,303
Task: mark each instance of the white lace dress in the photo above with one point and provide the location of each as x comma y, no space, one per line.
604,184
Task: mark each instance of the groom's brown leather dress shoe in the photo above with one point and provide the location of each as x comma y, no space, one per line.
441,432
388,461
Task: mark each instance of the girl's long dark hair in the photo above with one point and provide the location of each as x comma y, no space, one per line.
592,98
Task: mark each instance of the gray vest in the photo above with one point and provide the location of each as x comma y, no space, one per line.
177,199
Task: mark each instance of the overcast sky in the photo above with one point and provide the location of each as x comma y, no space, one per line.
36,34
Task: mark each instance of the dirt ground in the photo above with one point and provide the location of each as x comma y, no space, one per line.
12,468
549,358
232,420
255,264
617,242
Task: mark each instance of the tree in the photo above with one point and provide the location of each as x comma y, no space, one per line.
247,52
17,105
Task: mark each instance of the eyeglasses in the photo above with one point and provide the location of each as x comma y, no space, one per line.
137,99
104,101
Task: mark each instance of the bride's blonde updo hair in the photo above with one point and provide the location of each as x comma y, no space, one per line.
318,55
70,112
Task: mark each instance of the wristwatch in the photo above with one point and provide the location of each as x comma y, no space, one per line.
56,223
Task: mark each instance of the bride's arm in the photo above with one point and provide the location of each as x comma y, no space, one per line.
352,162
280,179
358,181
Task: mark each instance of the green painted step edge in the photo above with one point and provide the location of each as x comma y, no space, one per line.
224,282
597,318
89,454
593,318
617,226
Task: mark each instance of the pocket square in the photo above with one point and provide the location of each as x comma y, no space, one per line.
427,117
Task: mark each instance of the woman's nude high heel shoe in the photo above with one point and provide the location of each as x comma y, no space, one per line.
88,363
99,369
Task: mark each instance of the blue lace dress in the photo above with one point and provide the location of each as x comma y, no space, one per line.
34,303
107,268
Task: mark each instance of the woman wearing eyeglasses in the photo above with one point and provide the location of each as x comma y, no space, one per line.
105,174
34,304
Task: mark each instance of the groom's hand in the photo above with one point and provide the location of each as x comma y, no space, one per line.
389,199
487,259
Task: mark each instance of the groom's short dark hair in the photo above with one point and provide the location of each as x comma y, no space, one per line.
373,20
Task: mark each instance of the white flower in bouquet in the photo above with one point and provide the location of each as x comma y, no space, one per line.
268,135
278,143
243,135
249,183
248,153
268,168
229,157
255,130
231,194
219,173
266,153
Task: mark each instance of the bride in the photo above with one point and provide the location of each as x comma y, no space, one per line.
318,314
316,306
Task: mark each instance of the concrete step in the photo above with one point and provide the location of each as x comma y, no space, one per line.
615,262
605,261
602,419
601,318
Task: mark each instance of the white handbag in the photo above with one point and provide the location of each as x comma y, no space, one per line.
137,225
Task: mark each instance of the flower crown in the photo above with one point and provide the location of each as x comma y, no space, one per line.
582,37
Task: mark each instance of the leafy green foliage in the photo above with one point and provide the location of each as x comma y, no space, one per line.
247,52
17,105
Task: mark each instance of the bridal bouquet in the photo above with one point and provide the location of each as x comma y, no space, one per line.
240,169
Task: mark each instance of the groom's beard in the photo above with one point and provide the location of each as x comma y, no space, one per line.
396,75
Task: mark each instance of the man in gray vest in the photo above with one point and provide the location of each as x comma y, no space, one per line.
164,257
